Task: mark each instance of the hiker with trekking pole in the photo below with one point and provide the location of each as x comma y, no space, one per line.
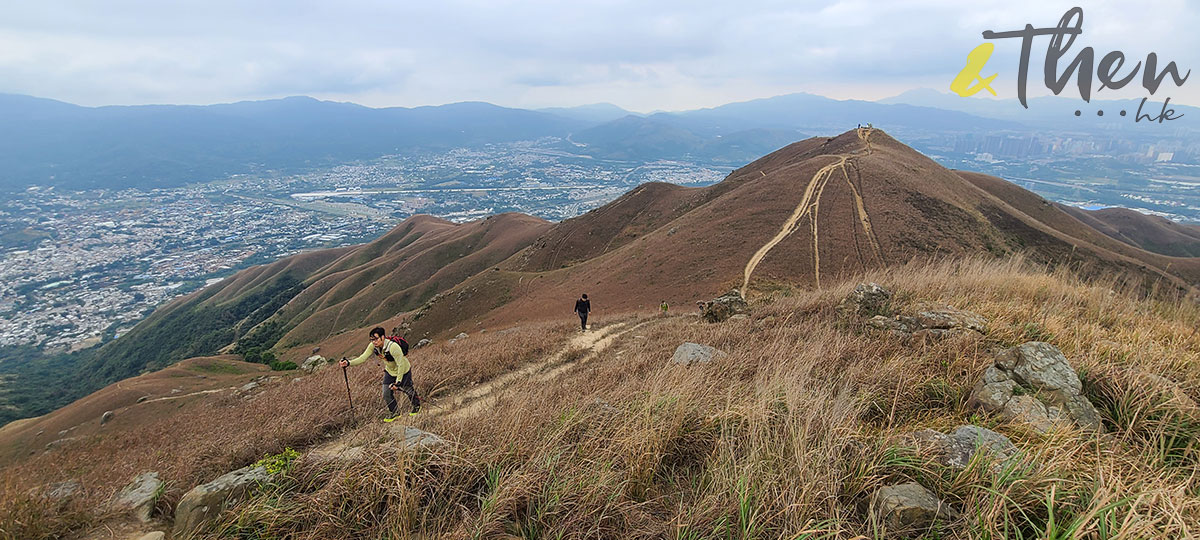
397,372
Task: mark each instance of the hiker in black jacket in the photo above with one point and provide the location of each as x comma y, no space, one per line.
582,308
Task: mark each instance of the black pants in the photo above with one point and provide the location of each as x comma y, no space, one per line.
406,386
583,320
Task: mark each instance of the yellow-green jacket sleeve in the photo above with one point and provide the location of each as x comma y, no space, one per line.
363,357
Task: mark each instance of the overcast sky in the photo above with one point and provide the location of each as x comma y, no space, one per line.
641,55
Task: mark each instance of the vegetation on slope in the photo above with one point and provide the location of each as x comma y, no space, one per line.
787,436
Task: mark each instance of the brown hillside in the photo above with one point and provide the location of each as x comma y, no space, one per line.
402,272
1052,235
813,212
166,390
1151,233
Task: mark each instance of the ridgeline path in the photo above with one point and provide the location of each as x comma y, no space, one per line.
809,207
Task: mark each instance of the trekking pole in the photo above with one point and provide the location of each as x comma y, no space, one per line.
348,398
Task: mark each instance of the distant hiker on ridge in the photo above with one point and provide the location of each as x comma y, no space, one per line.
395,367
663,306
582,308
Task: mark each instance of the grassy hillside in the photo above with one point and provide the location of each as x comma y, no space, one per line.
786,437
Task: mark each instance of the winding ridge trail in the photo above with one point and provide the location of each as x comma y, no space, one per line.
809,207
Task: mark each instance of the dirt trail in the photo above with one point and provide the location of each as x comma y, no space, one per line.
582,347
181,396
810,206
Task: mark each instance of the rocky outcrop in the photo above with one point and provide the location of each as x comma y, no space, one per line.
461,336
104,418
206,501
139,496
1034,384
423,343
908,510
867,300
314,363
695,353
725,306
932,323
957,448
929,323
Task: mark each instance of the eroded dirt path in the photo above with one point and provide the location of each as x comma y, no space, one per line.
583,347
810,206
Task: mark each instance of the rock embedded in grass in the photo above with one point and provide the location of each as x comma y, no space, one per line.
1033,383
867,299
140,495
695,353
957,448
908,510
314,363
206,501
723,307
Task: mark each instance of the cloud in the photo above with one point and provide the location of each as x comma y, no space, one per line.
642,55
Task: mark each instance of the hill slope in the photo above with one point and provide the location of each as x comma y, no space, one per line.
601,434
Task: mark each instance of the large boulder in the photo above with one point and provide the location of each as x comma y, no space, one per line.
1034,384
908,510
314,363
867,300
725,306
695,353
140,495
205,502
957,448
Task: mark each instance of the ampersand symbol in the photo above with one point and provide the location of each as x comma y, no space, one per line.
976,59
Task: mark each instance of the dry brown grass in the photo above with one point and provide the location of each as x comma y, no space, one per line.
786,437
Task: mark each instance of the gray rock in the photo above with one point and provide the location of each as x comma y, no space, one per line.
695,353
156,535
206,501
314,363
908,510
867,299
945,318
459,337
1033,383
956,449
249,386
104,418
723,307
899,325
143,398
58,491
140,495
411,438
423,343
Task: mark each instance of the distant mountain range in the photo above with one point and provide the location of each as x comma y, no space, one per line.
1052,111
47,142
